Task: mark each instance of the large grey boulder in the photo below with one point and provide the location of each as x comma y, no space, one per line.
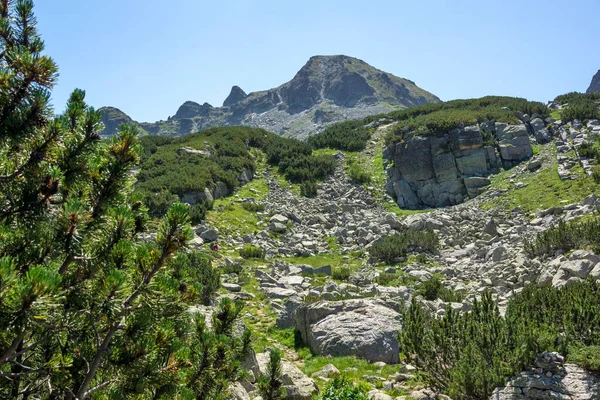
513,142
365,328
551,379
297,385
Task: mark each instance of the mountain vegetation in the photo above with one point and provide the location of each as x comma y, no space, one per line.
428,119
579,106
467,355
87,308
173,167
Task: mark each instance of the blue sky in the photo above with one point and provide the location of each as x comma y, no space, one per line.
147,57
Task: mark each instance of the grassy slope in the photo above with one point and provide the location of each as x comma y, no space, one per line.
544,187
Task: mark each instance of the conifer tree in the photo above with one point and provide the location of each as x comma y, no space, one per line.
270,385
87,308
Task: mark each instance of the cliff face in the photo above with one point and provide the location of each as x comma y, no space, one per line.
442,170
326,90
595,84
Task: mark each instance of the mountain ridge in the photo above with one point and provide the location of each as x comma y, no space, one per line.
326,90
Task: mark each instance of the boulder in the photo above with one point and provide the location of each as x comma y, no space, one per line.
210,235
297,385
237,392
277,227
550,379
365,328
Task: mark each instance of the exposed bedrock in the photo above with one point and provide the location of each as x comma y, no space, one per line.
442,170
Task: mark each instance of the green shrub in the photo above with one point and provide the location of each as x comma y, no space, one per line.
197,275
341,388
586,356
250,251
308,189
341,273
576,97
270,385
467,355
198,211
596,174
349,136
589,150
440,118
390,248
564,237
385,278
253,207
433,289
358,174
581,111
167,171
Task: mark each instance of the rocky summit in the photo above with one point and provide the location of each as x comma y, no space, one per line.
595,84
326,90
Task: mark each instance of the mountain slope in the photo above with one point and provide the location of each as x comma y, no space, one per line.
326,90
595,84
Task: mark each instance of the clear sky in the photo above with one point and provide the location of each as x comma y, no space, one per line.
147,57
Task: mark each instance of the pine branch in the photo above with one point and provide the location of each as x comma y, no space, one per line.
11,350
96,388
81,393
35,157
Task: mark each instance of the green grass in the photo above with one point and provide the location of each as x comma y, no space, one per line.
556,114
353,368
320,260
332,243
544,190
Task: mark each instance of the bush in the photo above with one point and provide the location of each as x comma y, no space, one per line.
433,289
199,279
341,273
596,174
340,388
390,248
250,251
270,385
440,118
586,356
167,171
386,278
358,174
308,189
253,207
564,237
198,211
468,355
349,136
581,111
576,97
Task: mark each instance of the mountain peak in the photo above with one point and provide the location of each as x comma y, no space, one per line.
595,85
236,95
191,109
327,89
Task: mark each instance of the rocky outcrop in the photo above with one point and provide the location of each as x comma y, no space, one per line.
365,328
236,95
326,90
113,118
190,109
215,191
551,379
442,170
595,84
